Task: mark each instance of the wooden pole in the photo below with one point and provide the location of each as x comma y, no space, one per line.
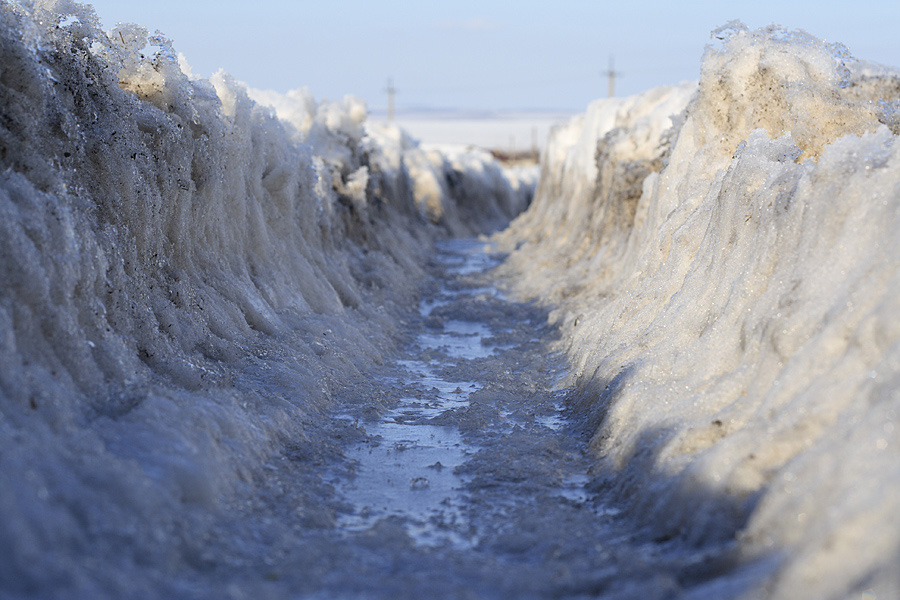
391,91
611,74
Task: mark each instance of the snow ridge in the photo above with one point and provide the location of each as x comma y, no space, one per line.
186,280
729,302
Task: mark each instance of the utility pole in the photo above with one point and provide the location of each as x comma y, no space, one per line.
611,73
391,91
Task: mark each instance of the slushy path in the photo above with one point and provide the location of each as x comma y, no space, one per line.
452,472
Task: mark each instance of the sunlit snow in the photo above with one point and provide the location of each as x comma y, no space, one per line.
244,352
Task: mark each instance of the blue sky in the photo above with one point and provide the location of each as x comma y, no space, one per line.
471,54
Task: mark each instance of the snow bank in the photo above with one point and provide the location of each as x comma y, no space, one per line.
463,189
185,280
727,270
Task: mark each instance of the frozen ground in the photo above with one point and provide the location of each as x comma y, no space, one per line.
246,350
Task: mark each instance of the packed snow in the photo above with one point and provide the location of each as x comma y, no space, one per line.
215,301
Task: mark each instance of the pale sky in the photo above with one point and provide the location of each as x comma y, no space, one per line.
479,54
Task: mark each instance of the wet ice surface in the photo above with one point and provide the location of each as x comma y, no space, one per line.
452,472
407,467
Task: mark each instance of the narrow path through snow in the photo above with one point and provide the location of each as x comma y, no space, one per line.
450,473
475,468
411,464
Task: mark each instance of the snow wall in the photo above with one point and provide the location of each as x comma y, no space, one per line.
725,264
185,282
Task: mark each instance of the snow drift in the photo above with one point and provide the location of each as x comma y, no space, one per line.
730,304
184,280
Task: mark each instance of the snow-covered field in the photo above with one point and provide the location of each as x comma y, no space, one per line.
193,275
723,261
502,130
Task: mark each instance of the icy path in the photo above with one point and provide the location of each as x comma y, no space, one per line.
452,473
419,462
